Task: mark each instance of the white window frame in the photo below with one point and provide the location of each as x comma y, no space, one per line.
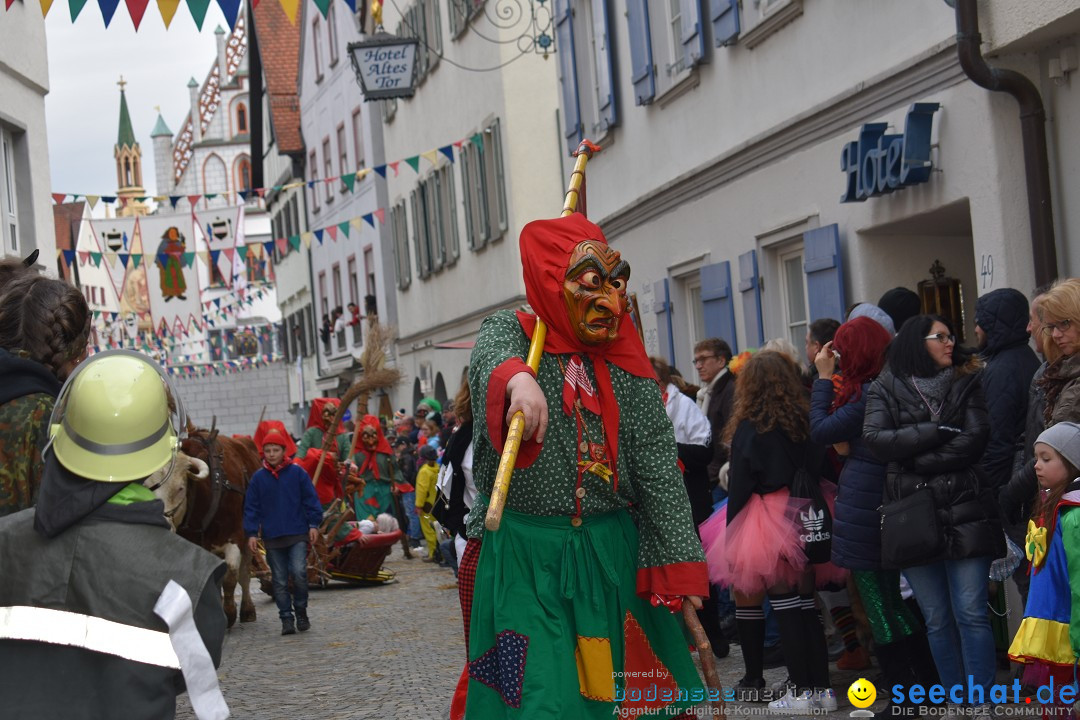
358,137
316,48
400,230
331,36
9,198
763,18
784,255
343,156
667,48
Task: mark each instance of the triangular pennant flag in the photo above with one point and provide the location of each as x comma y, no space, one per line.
194,199
311,184
209,196
173,199
381,169
319,235
214,255
294,242
306,238
74,7
348,181
244,194
448,151
59,197
261,192
198,10
136,9
108,199
344,227
459,143
268,246
135,260
332,229
124,258
108,9
323,5
369,219
189,257
84,256
282,246
217,303
96,258
230,8
381,214
432,156
167,8
357,224
395,164
69,256
230,255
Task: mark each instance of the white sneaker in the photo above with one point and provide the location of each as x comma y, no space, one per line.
825,699
792,704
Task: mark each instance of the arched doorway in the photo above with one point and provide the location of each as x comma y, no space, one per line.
440,389
417,395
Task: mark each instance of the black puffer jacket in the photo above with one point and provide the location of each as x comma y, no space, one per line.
1010,364
899,431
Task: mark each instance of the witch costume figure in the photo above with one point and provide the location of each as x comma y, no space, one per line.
572,612
377,468
319,419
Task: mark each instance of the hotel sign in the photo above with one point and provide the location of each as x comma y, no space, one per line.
878,163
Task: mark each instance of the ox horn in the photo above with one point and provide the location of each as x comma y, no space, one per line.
202,467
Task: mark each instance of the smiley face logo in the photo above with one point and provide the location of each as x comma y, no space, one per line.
862,693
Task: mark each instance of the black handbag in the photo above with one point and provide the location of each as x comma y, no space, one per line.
816,520
910,530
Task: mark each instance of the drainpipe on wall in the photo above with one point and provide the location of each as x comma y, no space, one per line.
1033,132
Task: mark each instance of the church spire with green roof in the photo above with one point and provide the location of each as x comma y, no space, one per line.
126,136
128,156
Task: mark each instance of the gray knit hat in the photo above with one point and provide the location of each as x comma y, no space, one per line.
874,313
1065,438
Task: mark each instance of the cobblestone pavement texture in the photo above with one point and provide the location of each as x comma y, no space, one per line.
394,651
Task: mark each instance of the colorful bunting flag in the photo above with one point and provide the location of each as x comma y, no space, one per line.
432,156
381,214
344,227
291,8
198,10
448,151
108,9
230,8
45,5
136,9
348,181
318,235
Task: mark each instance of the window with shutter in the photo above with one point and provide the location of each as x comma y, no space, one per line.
750,289
662,309
642,73
724,15
718,303
499,220
568,80
823,264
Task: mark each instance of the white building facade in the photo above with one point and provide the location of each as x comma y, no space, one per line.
455,225
725,130
350,257
26,220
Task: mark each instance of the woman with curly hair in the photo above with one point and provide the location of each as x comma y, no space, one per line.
755,547
44,328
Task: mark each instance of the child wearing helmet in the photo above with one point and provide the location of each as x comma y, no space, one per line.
281,504
111,609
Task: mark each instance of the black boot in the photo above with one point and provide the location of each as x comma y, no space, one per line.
287,626
302,622
709,616
896,669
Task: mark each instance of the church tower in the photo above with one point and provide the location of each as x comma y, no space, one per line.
128,164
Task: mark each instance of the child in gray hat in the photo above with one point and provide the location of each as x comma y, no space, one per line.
1048,640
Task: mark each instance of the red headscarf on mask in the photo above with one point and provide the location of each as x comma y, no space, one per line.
381,445
546,246
315,417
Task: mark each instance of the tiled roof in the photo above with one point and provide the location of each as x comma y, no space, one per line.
279,47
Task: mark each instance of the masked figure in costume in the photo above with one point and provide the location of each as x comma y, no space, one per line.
319,419
572,612
170,265
377,468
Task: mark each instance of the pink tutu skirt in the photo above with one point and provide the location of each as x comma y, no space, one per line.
762,548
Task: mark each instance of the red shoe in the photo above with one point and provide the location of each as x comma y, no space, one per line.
857,659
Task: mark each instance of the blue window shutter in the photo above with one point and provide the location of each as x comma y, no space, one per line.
662,308
605,81
564,50
641,60
824,270
724,15
719,303
751,299
693,39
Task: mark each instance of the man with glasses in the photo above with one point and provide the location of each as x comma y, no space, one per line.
716,396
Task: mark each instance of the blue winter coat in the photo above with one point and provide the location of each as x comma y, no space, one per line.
856,539
285,504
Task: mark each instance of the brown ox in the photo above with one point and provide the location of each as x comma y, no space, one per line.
209,509
170,484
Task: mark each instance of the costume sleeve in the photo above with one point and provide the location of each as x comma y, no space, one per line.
670,560
499,354
312,438
251,505
843,425
310,500
1070,535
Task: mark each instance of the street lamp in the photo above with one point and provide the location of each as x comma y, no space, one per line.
385,64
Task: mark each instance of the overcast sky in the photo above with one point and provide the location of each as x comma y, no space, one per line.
83,105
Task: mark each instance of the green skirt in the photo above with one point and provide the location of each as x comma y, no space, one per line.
558,631
376,499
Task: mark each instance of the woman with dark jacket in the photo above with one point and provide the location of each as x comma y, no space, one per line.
837,410
926,417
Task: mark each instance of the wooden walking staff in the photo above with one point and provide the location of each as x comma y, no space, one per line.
536,350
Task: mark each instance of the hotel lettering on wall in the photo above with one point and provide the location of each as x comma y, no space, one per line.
878,163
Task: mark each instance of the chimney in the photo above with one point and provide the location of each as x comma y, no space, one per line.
196,119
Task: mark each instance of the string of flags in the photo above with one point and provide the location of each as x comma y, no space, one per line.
347,181
198,8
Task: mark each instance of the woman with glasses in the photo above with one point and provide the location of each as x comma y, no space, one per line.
926,418
1060,311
